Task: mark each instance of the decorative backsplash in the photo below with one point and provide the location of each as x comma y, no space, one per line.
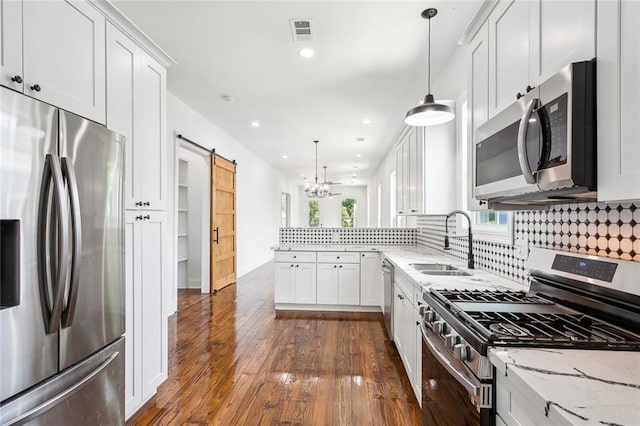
376,236
611,230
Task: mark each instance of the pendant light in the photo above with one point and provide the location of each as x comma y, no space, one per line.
429,113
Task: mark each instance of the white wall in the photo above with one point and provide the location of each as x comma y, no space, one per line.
330,208
450,83
258,187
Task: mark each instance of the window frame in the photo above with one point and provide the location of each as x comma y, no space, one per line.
309,213
354,218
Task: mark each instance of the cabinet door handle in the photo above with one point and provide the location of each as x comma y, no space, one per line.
147,217
530,88
519,95
139,217
418,323
16,79
139,204
36,88
216,238
413,210
146,203
419,303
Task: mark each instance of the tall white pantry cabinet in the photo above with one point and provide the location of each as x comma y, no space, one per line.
84,56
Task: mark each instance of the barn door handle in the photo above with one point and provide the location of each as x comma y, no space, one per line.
215,239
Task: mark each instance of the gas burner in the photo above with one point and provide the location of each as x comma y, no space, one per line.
503,328
491,296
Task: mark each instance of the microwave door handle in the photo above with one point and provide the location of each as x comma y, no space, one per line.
523,157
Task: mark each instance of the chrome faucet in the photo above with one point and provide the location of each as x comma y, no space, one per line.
470,262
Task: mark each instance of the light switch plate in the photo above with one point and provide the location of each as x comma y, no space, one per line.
521,248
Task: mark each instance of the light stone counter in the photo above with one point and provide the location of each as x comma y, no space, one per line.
575,387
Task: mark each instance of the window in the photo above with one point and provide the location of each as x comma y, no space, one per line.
488,225
379,205
392,200
314,213
285,210
348,209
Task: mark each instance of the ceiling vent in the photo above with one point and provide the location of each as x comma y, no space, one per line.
301,30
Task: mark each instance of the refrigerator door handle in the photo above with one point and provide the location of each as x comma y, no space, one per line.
48,404
76,231
52,311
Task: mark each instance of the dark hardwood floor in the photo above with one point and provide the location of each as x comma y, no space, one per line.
233,361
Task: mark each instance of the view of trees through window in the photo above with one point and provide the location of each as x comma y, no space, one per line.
314,213
349,206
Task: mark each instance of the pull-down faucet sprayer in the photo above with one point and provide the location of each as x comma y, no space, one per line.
470,262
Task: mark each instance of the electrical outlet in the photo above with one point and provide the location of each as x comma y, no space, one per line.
521,248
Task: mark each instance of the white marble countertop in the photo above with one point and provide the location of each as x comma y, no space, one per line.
576,387
329,247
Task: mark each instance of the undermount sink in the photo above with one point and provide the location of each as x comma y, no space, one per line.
441,269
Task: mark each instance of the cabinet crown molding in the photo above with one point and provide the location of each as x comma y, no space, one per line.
124,24
478,20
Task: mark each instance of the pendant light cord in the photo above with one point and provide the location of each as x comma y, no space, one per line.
316,143
429,61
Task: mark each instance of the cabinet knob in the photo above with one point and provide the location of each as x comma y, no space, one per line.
337,257
413,210
519,95
147,217
138,217
335,266
341,266
419,303
297,266
146,203
139,204
399,212
529,88
36,88
295,257
482,202
418,323
291,266
16,79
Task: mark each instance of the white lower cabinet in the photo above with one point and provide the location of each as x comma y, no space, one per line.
370,279
338,284
408,337
295,282
146,324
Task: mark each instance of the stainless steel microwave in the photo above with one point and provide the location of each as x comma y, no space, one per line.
542,149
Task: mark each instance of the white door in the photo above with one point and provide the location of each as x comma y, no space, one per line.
327,284
417,353
619,91
154,322
408,331
150,149
370,279
398,325
508,53
64,56
562,32
11,44
133,346
123,68
305,280
349,284
284,291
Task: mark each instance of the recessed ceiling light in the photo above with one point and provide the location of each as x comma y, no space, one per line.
366,121
360,139
358,155
254,124
307,52
355,167
228,98
285,156
353,175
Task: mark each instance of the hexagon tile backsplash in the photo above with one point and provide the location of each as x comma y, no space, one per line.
611,230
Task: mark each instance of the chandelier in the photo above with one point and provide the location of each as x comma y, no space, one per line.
318,190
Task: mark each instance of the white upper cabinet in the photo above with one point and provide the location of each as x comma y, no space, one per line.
136,99
64,56
508,53
619,94
425,169
530,40
11,74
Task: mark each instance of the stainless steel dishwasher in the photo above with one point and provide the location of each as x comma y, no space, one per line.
387,274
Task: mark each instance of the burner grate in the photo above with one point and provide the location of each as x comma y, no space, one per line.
491,296
551,328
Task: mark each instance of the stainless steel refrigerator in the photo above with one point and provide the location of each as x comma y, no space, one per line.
62,295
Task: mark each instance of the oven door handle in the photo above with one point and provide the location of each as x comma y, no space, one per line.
473,387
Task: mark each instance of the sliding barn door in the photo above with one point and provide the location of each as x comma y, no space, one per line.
223,222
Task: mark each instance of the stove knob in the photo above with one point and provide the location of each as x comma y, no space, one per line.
450,340
460,351
439,327
429,315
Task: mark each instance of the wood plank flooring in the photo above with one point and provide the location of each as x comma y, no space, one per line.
233,361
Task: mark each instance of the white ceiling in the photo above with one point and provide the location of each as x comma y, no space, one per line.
370,62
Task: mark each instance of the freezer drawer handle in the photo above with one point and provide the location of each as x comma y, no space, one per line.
36,411
76,231
51,312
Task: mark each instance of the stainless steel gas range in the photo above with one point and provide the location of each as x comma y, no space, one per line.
574,302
